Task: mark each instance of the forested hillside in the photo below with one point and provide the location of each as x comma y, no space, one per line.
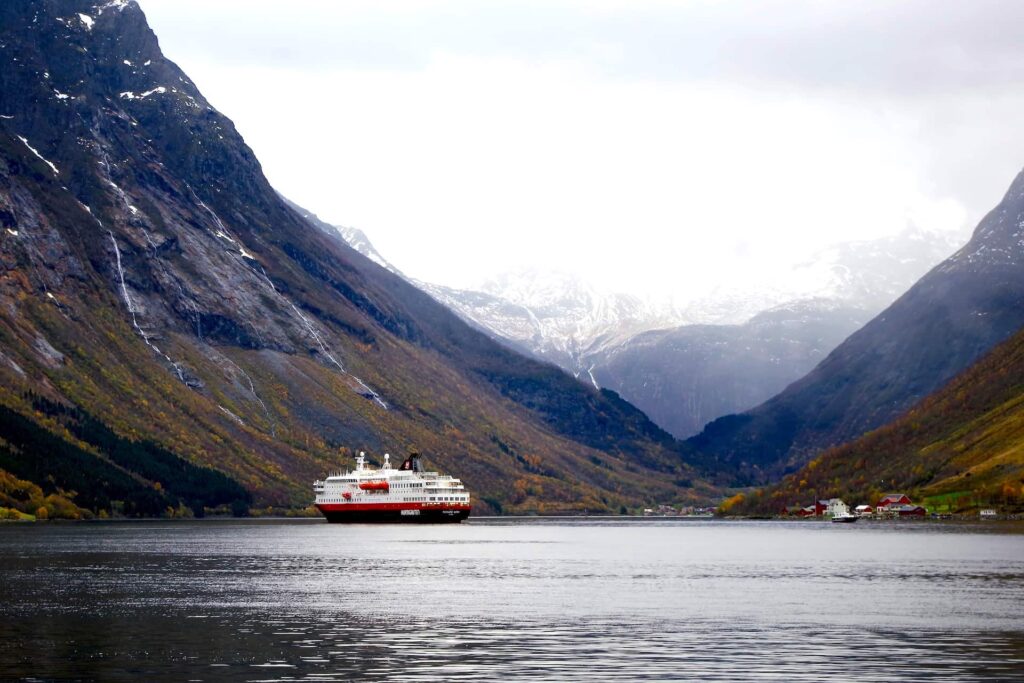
959,449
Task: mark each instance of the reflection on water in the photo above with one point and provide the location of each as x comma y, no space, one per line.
528,600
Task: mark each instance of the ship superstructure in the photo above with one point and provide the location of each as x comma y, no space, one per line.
407,493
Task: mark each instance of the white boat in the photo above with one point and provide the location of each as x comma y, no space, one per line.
840,512
406,494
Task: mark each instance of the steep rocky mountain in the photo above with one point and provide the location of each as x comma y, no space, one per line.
568,321
687,376
353,237
871,274
947,320
557,317
960,448
174,336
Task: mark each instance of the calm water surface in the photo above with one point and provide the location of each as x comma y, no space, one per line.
536,600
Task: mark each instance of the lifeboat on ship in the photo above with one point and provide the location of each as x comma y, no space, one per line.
378,485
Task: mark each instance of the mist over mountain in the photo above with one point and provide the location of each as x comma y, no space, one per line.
947,320
687,376
353,237
688,364
162,308
556,317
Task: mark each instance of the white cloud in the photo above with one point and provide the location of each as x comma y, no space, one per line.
465,149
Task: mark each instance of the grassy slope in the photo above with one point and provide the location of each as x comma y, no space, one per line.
960,448
278,446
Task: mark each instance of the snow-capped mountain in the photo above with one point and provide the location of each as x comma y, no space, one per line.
724,352
864,274
685,377
355,237
555,316
563,319
941,325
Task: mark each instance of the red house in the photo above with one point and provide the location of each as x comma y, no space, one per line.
821,506
894,499
907,510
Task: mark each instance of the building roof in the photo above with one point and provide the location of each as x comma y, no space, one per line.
893,498
905,507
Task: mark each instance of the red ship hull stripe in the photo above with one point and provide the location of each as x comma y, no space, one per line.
381,507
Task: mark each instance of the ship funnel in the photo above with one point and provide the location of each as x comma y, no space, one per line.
412,463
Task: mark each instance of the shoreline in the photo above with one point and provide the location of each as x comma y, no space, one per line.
1016,521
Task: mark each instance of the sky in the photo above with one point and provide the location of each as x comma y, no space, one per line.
651,147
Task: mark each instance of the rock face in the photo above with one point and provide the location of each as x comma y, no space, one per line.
556,317
958,311
151,277
353,237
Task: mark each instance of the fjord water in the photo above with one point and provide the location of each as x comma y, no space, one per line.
541,599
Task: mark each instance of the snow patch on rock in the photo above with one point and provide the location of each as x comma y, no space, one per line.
36,152
129,95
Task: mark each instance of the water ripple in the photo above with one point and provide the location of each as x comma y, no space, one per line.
536,601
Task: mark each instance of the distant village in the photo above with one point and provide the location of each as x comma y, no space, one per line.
685,511
890,506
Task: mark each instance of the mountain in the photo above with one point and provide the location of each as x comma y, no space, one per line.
872,274
683,378
556,317
947,320
960,448
174,337
686,365
353,237
688,376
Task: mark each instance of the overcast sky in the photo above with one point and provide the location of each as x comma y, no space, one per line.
647,146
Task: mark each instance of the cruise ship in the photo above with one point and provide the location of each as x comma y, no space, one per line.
406,494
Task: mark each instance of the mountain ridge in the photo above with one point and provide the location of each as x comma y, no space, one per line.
958,311
640,349
153,278
960,448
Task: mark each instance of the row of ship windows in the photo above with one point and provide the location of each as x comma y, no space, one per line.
431,490
407,499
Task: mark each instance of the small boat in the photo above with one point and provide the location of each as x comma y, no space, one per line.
840,512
